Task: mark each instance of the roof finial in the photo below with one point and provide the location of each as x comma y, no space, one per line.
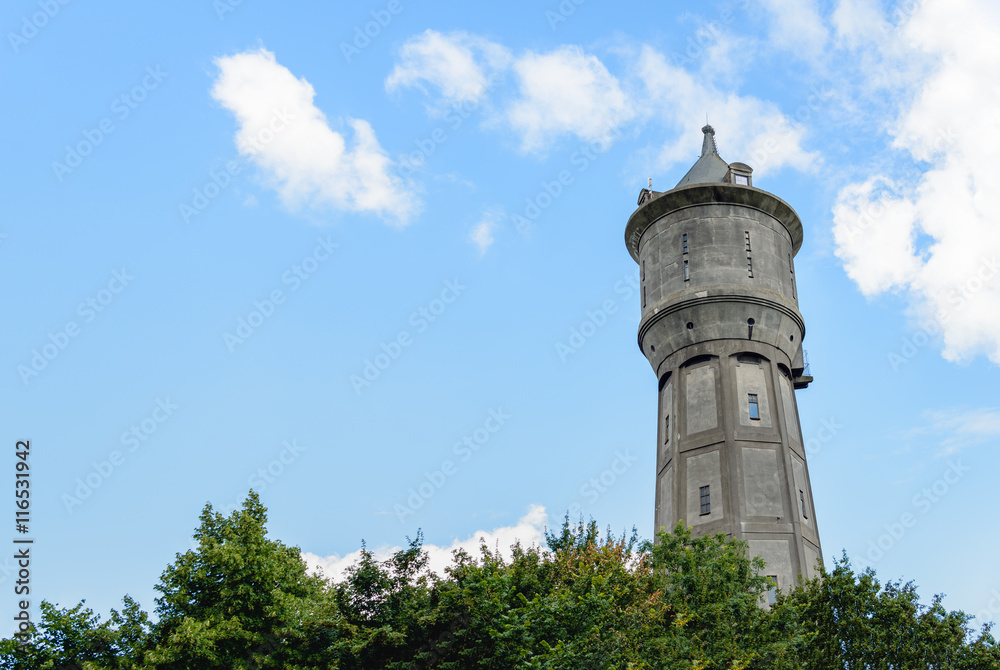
649,183
708,143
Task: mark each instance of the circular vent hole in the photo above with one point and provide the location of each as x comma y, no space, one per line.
690,325
750,322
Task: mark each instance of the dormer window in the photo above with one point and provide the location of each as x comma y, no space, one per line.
739,173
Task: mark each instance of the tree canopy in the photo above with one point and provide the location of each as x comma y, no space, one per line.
585,600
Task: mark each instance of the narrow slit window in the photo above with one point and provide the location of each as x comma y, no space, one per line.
687,271
749,267
791,273
666,429
802,502
772,590
685,240
747,234
706,500
644,297
754,407
643,271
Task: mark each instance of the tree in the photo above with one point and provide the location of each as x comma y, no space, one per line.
847,620
240,600
76,639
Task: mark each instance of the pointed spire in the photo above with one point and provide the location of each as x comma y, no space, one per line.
708,143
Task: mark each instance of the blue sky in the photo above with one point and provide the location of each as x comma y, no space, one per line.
369,260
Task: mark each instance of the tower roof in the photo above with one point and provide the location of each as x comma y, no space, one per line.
710,168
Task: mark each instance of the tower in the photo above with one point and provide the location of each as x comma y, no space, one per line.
721,328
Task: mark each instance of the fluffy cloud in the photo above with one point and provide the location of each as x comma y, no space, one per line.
458,65
751,130
566,91
935,234
305,160
796,25
529,530
560,92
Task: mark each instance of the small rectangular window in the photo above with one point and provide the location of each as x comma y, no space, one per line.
685,242
772,591
802,501
706,501
754,409
687,273
741,179
747,233
666,429
749,267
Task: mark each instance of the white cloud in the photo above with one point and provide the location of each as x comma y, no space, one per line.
563,91
482,233
460,66
749,130
960,429
529,530
936,234
566,91
859,22
797,27
302,157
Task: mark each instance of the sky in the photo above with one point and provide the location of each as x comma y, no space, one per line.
368,260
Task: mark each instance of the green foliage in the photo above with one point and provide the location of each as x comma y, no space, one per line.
584,601
850,621
75,639
239,600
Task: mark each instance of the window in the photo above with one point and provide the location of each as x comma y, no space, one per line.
741,179
772,591
747,234
644,297
666,430
791,272
706,501
802,501
685,241
754,409
643,278
687,272
749,267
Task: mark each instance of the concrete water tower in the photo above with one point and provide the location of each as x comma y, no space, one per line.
722,330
